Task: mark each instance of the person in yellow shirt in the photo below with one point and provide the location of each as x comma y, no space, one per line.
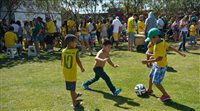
84,37
50,36
140,24
193,30
159,60
131,26
71,25
69,61
98,25
11,40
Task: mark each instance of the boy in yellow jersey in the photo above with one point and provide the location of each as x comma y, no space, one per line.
193,30
159,60
131,26
101,58
69,61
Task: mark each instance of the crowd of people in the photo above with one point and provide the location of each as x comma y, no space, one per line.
44,33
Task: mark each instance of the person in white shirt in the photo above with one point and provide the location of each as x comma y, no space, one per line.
183,27
92,32
160,24
16,27
116,29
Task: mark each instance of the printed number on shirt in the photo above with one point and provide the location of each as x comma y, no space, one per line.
68,61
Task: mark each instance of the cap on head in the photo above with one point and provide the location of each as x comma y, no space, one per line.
152,33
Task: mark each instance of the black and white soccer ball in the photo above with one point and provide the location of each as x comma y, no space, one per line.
140,89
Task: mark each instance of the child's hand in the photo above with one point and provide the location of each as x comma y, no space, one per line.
116,65
144,61
105,59
149,65
82,70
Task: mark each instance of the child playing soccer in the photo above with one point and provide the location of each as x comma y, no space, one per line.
101,58
69,61
158,54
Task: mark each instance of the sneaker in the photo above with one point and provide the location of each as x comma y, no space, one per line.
117,91
85,87
149,92
164,98
78,95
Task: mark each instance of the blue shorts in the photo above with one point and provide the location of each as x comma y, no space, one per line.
71,86
84,36
92,37
157,74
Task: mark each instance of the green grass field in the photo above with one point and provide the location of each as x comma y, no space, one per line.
36,84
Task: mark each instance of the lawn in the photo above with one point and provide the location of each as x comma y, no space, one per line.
33,84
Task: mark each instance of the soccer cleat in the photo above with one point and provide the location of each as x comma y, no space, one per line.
164,98
85,87
117,91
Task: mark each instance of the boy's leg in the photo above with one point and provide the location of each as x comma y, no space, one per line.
89,82
71,86
150,85
106,78
157,79
149,90
73,95
162,89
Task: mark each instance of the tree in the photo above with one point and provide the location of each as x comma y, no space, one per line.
10,6
49,6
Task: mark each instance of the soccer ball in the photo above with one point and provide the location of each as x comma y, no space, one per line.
140,89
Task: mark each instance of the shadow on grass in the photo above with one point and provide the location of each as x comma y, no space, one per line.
120,100
178,106
195,53
145,96
171,69
8,62
80,108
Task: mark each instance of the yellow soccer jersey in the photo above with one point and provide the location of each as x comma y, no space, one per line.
71,25
69,65
50,27
10,39
84,30
193,29
98,27
140,26
130,25
160,50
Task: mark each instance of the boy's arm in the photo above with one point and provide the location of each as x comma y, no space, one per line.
174,49
97,58
111,63
79,62
152,60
